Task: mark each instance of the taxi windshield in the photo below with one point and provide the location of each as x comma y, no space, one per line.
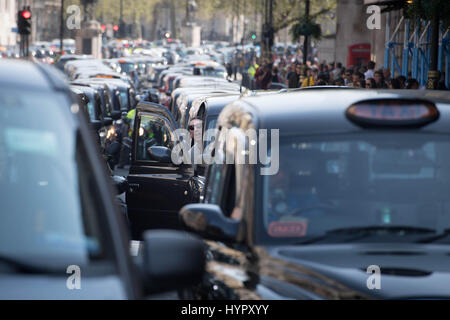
127,67
376,182
50,210
211,72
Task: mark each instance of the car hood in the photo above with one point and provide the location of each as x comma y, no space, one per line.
44,287
408,271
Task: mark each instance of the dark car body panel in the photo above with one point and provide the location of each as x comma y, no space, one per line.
116,235
250,268
157,190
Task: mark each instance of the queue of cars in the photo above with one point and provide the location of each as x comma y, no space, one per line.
297,194
346,182
361,185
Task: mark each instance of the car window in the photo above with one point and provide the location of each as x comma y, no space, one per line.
50,207
371,180
107,101
216,181
211,72
124,99
98,107
210,126
91,109
153,131
127,67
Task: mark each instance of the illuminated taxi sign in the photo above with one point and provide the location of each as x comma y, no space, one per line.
105,76
393,113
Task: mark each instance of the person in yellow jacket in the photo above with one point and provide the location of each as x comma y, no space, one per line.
252,70
309,79
130,120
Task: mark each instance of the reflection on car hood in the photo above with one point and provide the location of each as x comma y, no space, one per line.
340,271
43,287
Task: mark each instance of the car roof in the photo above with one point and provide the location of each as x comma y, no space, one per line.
83,88
119,83
88,83
312,112
121,60
22,74
215,103
76,90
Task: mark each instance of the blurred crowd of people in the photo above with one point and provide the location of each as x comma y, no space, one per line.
289,71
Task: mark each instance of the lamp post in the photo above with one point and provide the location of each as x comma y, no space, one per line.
61,31
306,37
433,73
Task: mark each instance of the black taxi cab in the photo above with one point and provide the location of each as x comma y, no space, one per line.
61,234
339,194
186,99
159,185
90,100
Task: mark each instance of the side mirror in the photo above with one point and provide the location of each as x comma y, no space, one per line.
172,260
121,184
208,221
160,154
116,114
96,124
107,121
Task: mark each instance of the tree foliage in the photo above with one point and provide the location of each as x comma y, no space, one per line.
426,9
133,10
305,27
285,12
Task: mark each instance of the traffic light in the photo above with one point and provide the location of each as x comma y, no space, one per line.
24,22
253,35
116,31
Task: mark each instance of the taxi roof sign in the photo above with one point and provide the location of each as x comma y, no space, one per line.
107,76
393,113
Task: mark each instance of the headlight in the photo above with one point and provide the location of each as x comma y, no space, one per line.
111,132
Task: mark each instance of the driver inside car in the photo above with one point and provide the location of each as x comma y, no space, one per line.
293,194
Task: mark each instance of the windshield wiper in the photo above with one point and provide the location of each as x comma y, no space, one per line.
381,229
361,232
440,236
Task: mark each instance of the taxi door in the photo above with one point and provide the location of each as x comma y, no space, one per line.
158,189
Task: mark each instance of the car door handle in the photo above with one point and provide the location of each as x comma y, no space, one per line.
134,186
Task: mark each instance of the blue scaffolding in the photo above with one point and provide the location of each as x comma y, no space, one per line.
414,52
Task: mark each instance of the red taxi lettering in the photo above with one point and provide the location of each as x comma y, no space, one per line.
287,229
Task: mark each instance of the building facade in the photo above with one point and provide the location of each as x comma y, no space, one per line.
352,29
46,15
8,17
